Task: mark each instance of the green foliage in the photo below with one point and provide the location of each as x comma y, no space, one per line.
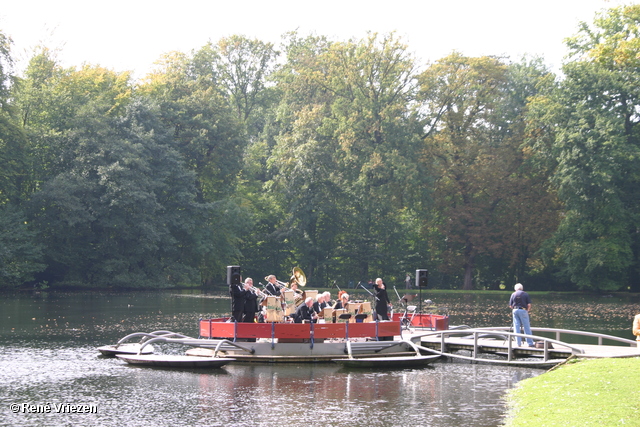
6,64
597,151
20,251
487,194
124,213
340,158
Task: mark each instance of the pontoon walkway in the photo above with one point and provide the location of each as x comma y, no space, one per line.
498,345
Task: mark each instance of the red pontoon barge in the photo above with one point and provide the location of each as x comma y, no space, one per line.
305,342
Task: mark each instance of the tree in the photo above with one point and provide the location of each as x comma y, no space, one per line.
124,213
474,129
343,155
13,142
597,151
243,67
209,135
20,252
49,98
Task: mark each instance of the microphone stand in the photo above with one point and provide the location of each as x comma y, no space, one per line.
370,293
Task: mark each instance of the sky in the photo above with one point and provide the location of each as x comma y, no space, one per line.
131,35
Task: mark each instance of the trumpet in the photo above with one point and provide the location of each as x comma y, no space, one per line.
257,291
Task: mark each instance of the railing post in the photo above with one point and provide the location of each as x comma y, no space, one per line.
311,334
475,345
546,350
235,330
273,335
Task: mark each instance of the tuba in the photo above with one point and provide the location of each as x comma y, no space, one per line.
298,277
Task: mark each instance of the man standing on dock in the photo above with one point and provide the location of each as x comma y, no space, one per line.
520,304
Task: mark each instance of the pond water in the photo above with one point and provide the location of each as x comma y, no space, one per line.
48,354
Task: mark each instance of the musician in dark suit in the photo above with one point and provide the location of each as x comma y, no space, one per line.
305,312
382,299
272,287
250,301
237,301
327,299
320,304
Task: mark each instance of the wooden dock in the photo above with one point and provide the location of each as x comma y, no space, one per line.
498,346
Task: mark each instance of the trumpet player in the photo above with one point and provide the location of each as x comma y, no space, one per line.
238,294
272,287
250,300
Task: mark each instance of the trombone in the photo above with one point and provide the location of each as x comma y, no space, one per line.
279,284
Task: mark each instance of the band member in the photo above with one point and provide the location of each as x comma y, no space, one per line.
327,299
294,288
237,302
272,287
250,301
305,312
382,299
319,305
343,302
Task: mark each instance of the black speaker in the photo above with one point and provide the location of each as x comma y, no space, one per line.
233,275
422,278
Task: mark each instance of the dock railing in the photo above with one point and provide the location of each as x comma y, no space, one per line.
559,332
505,334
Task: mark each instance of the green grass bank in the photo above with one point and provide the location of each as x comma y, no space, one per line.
596,392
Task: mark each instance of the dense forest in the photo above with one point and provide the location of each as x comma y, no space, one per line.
348,159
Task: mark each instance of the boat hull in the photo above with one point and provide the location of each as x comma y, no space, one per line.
173,361
126,348
267,352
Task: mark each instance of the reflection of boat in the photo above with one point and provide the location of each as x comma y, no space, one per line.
381,342
387,362
172,361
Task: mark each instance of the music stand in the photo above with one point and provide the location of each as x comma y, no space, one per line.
360,317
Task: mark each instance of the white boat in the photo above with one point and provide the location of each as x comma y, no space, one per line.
175,361
125,348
